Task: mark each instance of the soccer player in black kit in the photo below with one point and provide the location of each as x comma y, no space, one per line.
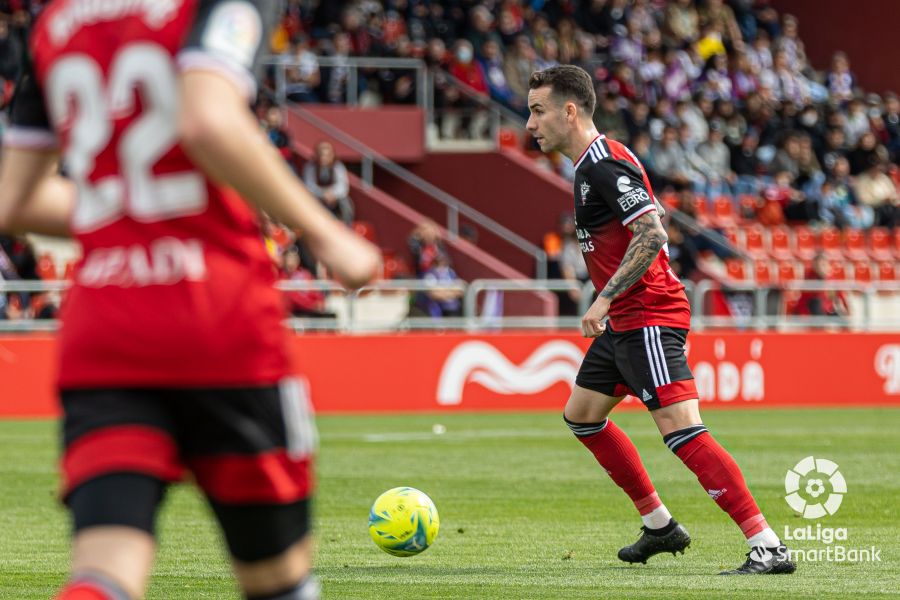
639,323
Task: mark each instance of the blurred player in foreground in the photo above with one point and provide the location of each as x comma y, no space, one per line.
640,349
173,356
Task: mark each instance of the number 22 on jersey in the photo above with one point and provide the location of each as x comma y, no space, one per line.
148,69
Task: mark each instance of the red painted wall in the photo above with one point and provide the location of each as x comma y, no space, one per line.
506,186
519,371
866,31
397,132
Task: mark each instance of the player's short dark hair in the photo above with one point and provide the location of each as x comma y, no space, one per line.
567,82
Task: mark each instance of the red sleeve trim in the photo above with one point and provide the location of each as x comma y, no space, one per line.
644,210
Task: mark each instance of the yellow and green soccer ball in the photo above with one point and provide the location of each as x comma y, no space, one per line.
403,521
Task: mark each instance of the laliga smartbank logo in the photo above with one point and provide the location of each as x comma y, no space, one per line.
815,488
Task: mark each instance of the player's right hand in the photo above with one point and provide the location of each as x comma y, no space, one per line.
351,259
593,323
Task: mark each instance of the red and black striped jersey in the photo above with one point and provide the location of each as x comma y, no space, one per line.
611,191
175,287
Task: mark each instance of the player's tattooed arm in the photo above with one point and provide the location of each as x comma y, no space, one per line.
649,238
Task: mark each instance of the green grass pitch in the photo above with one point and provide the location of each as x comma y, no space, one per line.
525,511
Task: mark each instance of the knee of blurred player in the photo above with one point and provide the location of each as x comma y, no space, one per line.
286,576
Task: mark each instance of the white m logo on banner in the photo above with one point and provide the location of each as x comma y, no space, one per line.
481,363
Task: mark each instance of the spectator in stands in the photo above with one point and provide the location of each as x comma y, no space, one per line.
425,243
571,266
326,178
474,119
861,156
520,62
492,64
840,206
481,23
718,13
791,45
787,83
856,121
690,116
717,156
548,55
840,81
277,134
892,125
811,177
609,118
441,302
821,302
302,303
337,78
875,189
746,165
303,77
671,162
833,148
795,206
716,83
787,158
466,69
682,23
743,80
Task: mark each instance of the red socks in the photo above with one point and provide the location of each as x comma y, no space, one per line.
718,474
616,453
92,586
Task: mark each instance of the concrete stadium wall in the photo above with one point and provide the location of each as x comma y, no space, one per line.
528,371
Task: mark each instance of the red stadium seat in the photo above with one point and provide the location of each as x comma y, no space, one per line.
787,271
508,138
701,210
862,271
887,271
723,212
733,236
880,244
804,243
69,274
45,267
748,206
855,245
669,201
366,230
763,272
736,269
754,241
831,243
838,270
780,242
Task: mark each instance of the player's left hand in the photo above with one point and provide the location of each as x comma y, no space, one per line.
593,323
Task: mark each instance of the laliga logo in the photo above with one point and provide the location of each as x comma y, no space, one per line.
481,363
814,470
887,364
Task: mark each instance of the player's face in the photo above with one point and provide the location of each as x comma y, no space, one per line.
547,122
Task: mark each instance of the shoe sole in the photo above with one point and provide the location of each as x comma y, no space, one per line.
644,562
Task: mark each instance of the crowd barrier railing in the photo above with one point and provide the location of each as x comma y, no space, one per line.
873,306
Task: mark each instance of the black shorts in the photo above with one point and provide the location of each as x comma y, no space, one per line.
648,363
248,449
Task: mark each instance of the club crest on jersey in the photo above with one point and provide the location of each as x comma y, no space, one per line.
585,189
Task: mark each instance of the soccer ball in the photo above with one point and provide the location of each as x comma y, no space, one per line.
403,521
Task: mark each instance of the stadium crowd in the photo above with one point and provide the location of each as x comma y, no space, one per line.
717,98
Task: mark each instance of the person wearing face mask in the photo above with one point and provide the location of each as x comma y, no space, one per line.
466,69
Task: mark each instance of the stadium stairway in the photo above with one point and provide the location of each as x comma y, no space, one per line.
389,219
503,184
